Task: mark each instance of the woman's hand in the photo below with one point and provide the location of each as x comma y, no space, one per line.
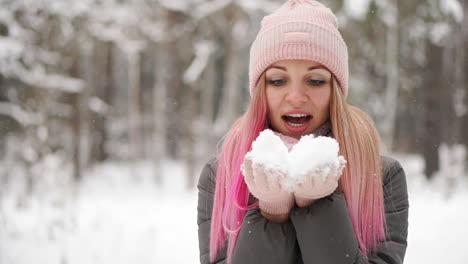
264,183
318,183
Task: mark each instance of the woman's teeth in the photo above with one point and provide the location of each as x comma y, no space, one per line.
295,125
297,115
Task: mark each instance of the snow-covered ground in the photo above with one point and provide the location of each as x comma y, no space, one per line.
118,215
438,215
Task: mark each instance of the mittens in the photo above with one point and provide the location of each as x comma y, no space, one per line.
277,178
264,184
320,182
316,167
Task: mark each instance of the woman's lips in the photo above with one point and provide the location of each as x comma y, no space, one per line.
296,121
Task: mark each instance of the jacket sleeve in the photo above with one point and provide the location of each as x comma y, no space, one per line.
325,233
259,241
263,241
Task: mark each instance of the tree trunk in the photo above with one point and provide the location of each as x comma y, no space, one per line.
159,110
190,152
450,65
102,77
76,128
76,71
134,105
463,78
172,80
86,71
231,89
167,93
207,137
107,96
391,92
431,101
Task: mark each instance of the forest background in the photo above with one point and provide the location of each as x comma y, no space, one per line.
148,83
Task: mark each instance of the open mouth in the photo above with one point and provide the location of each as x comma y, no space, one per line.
297,120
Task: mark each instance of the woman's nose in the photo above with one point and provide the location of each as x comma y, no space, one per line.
296,94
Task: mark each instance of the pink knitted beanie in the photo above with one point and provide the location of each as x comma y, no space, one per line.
303,30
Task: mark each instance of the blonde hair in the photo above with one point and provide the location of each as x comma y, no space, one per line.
361,181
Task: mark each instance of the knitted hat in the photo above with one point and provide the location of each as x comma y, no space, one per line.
303,30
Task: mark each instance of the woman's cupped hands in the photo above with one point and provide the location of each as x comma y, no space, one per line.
278,178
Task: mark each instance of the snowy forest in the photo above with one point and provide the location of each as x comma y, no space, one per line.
110,108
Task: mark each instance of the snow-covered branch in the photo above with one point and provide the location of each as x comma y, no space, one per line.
97,105
264,6
178,6
17,113
203,51
454,8
207,8
62,83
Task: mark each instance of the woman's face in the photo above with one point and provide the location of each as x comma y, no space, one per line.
298,96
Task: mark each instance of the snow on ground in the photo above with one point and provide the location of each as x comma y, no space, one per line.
438,214
118,215
112,219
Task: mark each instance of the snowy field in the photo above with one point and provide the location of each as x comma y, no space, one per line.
118,215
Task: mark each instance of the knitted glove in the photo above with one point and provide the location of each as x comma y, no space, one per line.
320,182
264,184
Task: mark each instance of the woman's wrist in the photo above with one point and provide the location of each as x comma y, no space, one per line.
280,218
304,202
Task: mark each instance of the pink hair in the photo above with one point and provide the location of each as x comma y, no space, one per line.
231,193
361,181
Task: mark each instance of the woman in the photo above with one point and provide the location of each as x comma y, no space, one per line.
298,86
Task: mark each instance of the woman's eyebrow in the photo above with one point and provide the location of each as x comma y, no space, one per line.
278,67
316,67
308,69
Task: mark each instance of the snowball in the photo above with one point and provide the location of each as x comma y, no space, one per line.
268,150
311,154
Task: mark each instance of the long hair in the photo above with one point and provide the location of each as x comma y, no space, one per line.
361,181
231,193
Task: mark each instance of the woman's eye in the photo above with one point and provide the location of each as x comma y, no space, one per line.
316,82
277,82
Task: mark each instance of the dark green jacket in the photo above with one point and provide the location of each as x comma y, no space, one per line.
321,233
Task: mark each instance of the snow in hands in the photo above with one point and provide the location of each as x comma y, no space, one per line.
311,157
